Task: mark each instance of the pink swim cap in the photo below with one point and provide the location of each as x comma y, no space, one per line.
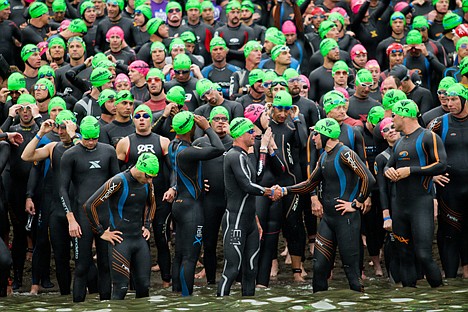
340,10
372,63
253,112
140,66
115,30
356,5
305,80
400,6
357,49
121,78
42,46
288,28
384,123
63,25
344,91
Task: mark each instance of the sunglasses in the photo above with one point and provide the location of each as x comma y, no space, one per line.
154,79
366,85
42,75
281,83
26,107
149,177
138,12
385,130
173,11
394,18
267,84
305,87
251,131
295,79
283,108
421,29
395,51
315,133
61,126
145,116
464,46
318,16
40,87
181,72
223,119
442,92
90,139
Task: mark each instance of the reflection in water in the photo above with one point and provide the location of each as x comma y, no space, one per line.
379,296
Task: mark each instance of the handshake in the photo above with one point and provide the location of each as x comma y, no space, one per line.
275,192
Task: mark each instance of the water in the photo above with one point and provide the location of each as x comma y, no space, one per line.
380,295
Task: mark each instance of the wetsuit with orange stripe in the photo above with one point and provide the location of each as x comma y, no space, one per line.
342,175
412,202
453,214
132,206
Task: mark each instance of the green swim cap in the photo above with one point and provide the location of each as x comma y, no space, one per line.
277,50
100,76
218,42
123,95
325,27
4,5
56,41
465,6
375,115
219,110
397,15
173,5
28,50
203,85
65,115
49,85
256,75
106,64
340,66
275,36
333,99
176,42
290,73
90,128
98,57
239,126
247,4
451,20
446,83
406,108
462,40
232,5
363,76
78,26
77,39
183,122
155,72
145,10
206,5
148,163
391,97
269,75
282,99
86,5
463,66
26,99
328,127
144,108
59,6
176,94
120,3
45,71
56,102
153,25
458,89
192,4
419,22
37,9
327,45
106,95
250,46
335,16
157,45
16,81
188,36
414,37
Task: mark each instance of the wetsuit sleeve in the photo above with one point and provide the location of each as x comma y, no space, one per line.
72,76
427,102
104,137
435,125
360,145
207,152
150,208
438,67
312,155
114,164
310,184
158,124
7,124
434,151
107,190
33,180
238,165
301,132
382,182
173,176
66,167
351,159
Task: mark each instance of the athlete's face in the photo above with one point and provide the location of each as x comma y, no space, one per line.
4,14
57,52
139,19
158,56
90,15
154,85
361,59
76,50
424,33
246,15
398,26
334,55
463,51
442,6
454,105
218,54
35,60
142,124
89,143
63,134
248,138
211,97
268,45
112,10
338,113
259,87
317,137
264,120
124,109
110,106
40,92
280,113
375,71
59,16
284,58
399,122
208,14
304,90
100,7
388,84
115,43
295,85
193,15
135,75
395,58
234,17
176,50
277,89
54,112
341,77
388,133
363,89
220,124
317,19
443,99
174,16
255,56
291,38
190,47
122,85
25,114
163,31
333,33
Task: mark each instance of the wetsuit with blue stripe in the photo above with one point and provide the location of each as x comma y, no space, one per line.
241,239
355,181
412,202
186,209
131,206
453,215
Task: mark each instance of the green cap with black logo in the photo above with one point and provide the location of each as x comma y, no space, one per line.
391,97
328,127
148,163
406,108
333,99
282,99
239,126
183,122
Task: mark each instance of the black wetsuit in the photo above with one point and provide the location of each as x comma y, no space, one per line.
9,30
453,216
236,38
115,131
125,23
214,205
191,100
221,76
152,144
5,255
413,227
359,108
87,169
248,99
87,106
355,181
241,239
321,81
131,207
186,210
